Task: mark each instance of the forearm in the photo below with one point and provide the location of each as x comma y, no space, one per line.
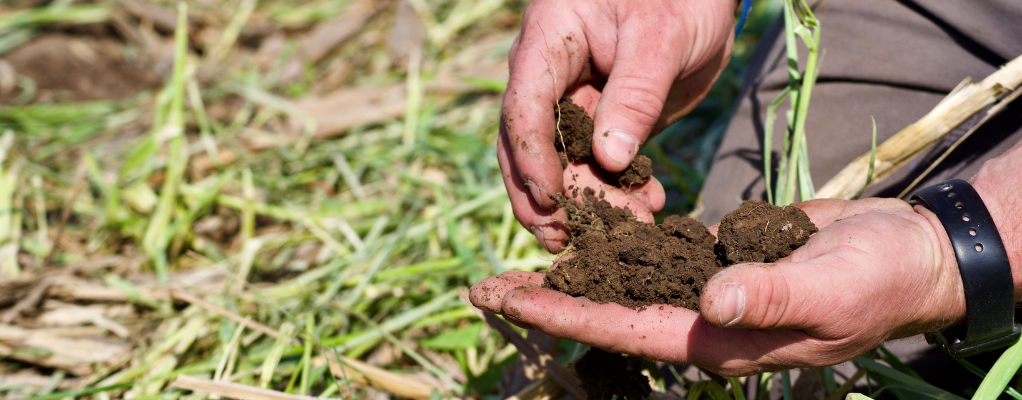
999,183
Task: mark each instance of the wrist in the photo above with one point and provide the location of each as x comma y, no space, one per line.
950,302
998,185
986,274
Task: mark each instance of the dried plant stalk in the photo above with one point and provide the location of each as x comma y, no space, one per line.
957,107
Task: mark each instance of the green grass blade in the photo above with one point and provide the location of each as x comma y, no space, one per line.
736,388
982,374
48,15
920,385
872,160
73,394
158,234
399,321
768,141
786,385
1000,374
282,344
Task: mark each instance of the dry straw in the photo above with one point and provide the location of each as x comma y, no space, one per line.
988,96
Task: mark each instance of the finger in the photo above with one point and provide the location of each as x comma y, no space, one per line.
550,57
666,333
634,95
488,294
585,175
650,193
543,223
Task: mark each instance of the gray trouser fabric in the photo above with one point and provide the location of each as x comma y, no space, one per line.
890,60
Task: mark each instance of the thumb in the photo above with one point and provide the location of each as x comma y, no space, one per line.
761,296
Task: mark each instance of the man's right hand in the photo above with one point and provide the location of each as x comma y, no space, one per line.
635,65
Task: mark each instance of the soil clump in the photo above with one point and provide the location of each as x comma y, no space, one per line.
575,143
761,232
618,259
615,258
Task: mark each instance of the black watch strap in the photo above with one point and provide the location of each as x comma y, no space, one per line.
982,261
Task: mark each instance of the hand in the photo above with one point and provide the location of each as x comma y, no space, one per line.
876,270
620,60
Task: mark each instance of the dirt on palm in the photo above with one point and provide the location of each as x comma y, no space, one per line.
761,232
617,259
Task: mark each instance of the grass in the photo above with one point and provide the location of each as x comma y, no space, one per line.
346,247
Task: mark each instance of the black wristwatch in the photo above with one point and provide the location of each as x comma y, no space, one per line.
986,275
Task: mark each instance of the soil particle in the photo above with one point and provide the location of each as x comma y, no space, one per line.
575,143
760,232
606,374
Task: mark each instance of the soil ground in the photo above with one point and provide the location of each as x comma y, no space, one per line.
76,68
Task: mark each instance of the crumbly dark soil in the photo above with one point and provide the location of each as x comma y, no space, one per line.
606,374
761,232
575,143
616,258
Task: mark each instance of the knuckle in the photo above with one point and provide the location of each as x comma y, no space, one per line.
640,105
774,289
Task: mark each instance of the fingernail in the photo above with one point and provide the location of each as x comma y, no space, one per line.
642,197
620,146
536,193
732,304
538,233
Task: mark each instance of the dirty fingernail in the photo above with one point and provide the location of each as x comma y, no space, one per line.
538,233
620,146
732,304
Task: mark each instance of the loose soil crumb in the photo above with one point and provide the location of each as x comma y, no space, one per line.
606,374
575,143
761,232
